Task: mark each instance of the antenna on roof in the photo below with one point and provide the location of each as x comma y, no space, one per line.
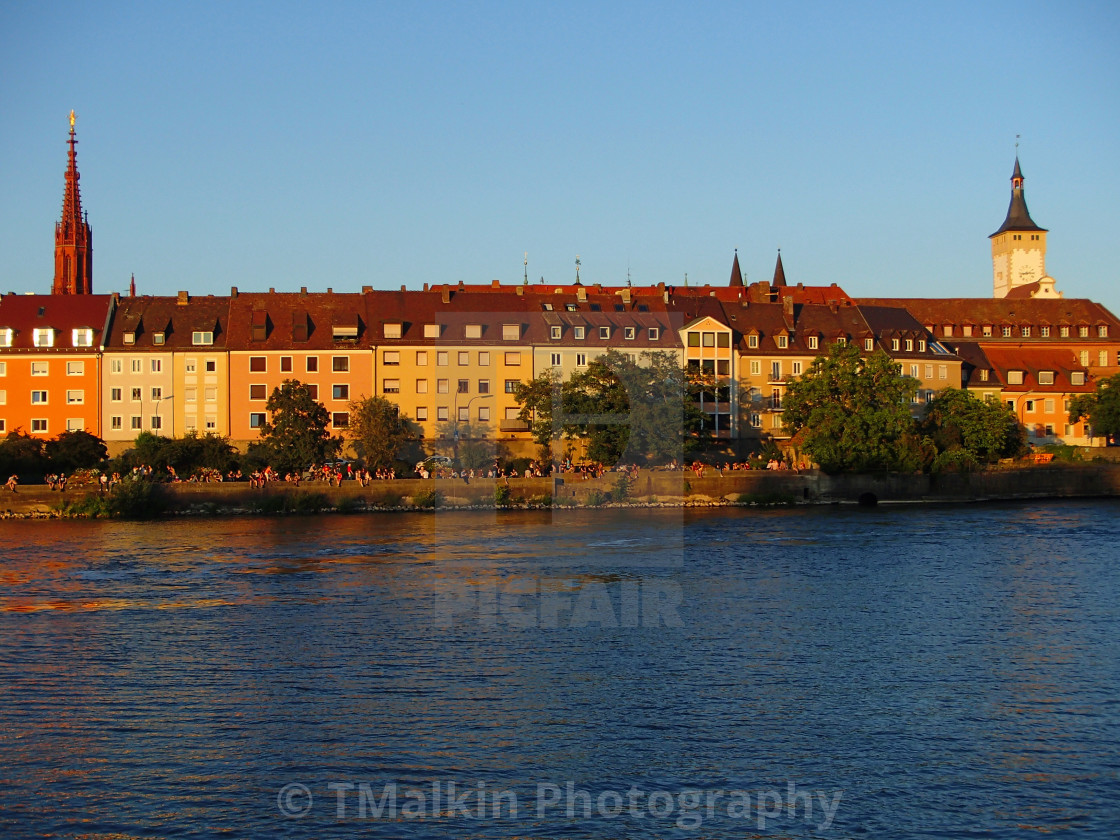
686,279
628,273
1016,145
577,269
526,283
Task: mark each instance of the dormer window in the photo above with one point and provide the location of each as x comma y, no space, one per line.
346,328
547,307
570,307
6,335
43,337
868,344
947,330
752,341
579,332
1046,377
393,330
473,331
1083,332
967,330
894,344
300,329
1077,377
1006,332
604,333
984,375
201,338
654,333
921,345
259,325
159,338
1025,332
813,342
1014,377
511,332
129,337
431,331
909,345
82,337
555,332
783,342
629,333
1102,331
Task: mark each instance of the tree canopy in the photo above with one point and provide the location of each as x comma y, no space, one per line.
1102,408
75,450
295,434
379,431
967,431
851,413
626,409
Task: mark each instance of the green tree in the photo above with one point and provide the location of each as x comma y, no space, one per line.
1102,408
599,400
22,454
851,413
379,431
75,450
295,434
537,399
966,430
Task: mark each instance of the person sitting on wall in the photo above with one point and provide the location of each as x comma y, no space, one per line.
12,482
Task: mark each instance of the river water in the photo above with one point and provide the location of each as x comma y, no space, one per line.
903,672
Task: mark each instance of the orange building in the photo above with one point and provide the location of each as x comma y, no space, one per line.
50,362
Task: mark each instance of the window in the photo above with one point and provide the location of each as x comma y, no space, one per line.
813,342
1048,406
554,359
484,386
38,397
464,357
340,364
513,413
947,330
391,386
654,333
484,413
391,357
190,422
1025,332
393,330
342,392
130,338
422,358
921,345
258,392
1044,332
156,422
629,333
756,420
708,339
513,358
1028,406
967,330
157,393
340,419
211,394
190,395
1083,332
421,386
581,359
579,333
75,368
443,386
1005,332
555,333
511,386
83,337
116,366
472,331
547,307
75,424
442,359
1102,358
909,345
797,368
984,375
929,371
422,412
116,422
202,338
441,412
1085,358
604,333
842,341
894,344
1102,331
942,372
511,332
136,365
285,364
114,394
464,413
40,368
212,366
258,364
783,342
75,397
463,386
311,363
1046,377
868,344
431,331
136,395
157,365
1077,377
43,337
484,358
1014,377
312,391
39,426
914,371
256,419
6,337
136,422
1063,332
756,367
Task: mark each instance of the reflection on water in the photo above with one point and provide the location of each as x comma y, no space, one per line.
945,671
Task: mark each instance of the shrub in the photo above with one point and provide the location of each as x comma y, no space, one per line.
596,498
428,499
501,495
621,491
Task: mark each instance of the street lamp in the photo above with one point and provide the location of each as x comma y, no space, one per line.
470,402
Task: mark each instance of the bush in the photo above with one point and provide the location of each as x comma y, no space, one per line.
954,460
621,491
428,499
1062,452
596,498
131,499
501,495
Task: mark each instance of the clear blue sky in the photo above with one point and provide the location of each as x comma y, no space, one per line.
286,144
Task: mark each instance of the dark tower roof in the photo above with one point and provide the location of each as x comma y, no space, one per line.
1018,217
779,272
736,275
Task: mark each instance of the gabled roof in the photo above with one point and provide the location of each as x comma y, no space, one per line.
177,318
997,311
270,321
1031,360
24,313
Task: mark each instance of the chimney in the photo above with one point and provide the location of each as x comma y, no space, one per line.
303,290
184,298
787,306
446,296
425,287
521,291
626,295
369,289
271,290
581,293
233,291
330,291
495,284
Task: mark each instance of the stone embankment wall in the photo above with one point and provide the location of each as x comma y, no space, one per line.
651,486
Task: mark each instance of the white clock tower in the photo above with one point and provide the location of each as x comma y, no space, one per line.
1019,249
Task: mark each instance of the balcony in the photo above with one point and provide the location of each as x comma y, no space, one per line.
513,426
